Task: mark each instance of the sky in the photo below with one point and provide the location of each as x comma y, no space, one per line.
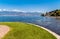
30,5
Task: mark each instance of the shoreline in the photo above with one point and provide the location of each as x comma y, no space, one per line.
53,33
53,16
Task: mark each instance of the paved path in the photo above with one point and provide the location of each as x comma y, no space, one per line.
53,33
3,30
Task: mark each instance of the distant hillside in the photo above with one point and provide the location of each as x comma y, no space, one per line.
52,13
12,13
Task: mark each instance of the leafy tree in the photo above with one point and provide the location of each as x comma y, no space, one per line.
54,13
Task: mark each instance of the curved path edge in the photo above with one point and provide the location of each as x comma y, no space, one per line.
53,33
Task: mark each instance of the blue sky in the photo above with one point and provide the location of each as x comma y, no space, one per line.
30,5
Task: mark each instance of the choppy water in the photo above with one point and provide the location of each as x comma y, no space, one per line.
47,22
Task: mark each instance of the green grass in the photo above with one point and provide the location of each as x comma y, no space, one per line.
21,30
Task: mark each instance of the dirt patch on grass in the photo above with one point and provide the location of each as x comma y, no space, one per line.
4,30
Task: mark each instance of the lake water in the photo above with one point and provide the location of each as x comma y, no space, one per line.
47,22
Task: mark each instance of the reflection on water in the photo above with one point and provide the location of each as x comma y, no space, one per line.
50,23
58,18
47,22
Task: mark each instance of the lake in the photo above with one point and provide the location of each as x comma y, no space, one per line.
47,22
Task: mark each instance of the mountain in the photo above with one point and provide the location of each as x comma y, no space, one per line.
13,13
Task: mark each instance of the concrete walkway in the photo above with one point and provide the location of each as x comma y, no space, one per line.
3,30
53,33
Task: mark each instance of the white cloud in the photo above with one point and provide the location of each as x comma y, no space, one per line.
4,10
0,9
15,10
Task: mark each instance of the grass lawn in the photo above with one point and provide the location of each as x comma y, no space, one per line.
20,30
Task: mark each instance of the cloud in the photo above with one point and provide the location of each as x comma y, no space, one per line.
10,10
0,9
16,10
3,10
